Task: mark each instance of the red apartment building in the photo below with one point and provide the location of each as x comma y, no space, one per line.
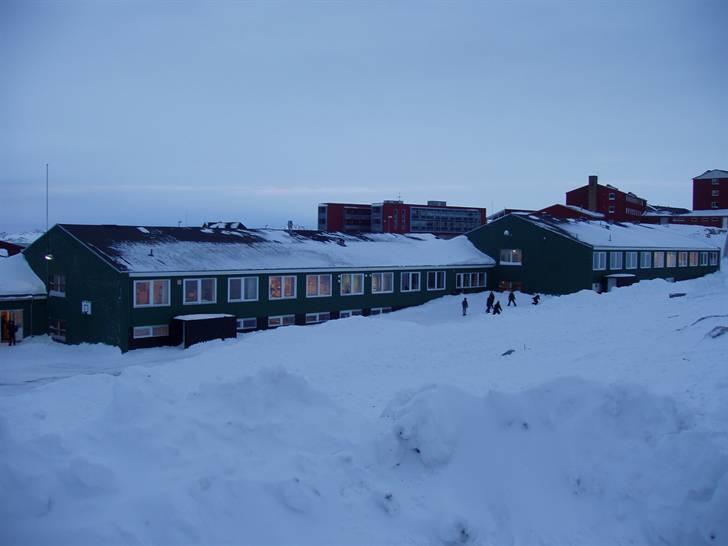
615,205
710,190
400,217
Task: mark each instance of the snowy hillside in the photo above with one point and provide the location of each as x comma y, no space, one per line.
23,238
590,420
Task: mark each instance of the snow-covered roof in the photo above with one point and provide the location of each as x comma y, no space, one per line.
18,279
707,212
580,210
626,235
205,316
709,175
171,250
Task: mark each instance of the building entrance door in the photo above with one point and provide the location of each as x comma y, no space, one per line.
5,317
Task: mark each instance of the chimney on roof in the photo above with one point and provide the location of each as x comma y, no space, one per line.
290,225
592,193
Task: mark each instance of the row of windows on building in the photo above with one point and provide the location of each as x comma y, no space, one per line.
251,323
155,292
652,259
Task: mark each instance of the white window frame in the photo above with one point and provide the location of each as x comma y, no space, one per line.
671,254
599,260
715,193
283,287
682,258
631,259
611,209
704,258
409,275
318,286
646,259
242,289
154,330
350,313
291,319
379,311
438,276
613,266
460,280
351,284
693,258
317,318
713,258
52,283
151,282
509,253
612,196
658,263
714,204
381,274
57,329
241,326
199,291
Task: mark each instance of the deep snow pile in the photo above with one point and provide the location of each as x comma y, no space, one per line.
606,425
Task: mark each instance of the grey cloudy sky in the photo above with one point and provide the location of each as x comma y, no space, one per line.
158,112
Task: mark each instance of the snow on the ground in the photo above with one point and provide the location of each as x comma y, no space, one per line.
23,238
605,425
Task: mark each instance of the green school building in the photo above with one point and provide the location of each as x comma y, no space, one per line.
125,285
539,253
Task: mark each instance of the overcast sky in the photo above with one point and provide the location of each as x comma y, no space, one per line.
159,112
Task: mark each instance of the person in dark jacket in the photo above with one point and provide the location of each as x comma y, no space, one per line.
512,299
489,302
497,308
536,299
12,328
465,306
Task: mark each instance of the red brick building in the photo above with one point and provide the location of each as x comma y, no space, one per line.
400,217
710,190
614,204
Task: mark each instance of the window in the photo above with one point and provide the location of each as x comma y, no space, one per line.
57,285
645,260
715,193
380,310
611,208
511,256
470,280
714,204
243,289
599,261
409,281
615,260
436,280
153,293
631,260
352,284
659,259
140,332
612,196
281,320
57,329
313,318
714,181
318,286
713,258
682,259
671,259
350,313
247,323
693,259
703,258
282,287
199,291
382,283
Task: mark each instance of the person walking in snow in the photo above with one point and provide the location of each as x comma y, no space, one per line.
512,299
536,299
465,306
12,328
489,302
497,308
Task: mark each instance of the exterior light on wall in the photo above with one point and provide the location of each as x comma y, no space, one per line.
506,233
48,257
